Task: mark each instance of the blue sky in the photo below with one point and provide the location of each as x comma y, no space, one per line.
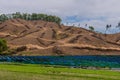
95,13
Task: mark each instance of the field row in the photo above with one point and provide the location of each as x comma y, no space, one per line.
40,72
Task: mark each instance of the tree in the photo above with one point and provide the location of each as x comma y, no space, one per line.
24,16
3,17
17,15
33,16
107,27
86,25
3,45
58,20
91,28
41,16
118,25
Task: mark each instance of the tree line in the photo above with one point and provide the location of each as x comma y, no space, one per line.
33,16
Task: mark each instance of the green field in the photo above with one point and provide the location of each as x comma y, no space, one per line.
40,72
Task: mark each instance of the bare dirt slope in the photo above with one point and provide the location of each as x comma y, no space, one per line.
48,38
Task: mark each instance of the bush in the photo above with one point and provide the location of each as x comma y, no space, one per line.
21,48
3,45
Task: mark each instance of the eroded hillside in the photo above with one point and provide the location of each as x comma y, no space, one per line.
48,38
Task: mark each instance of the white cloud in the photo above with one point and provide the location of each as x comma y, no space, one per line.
94,12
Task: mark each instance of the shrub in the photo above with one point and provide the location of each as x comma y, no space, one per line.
22,48
3,45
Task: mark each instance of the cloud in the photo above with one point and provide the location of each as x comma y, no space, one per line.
94,12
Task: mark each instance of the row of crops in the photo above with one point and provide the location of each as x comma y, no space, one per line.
72,61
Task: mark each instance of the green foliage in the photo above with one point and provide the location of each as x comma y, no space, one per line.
91,28
3,45
17,71
33,16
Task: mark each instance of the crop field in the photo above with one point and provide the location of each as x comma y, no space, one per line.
17,71
77,61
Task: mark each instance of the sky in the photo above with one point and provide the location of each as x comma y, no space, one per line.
95,13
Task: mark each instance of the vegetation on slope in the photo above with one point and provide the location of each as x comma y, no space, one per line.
3,45
33,16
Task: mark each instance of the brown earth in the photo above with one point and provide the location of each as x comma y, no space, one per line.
48,38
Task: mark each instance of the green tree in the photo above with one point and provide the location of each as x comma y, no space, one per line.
3,17
3,45
33,16
91,28
16,15
40,16
25,16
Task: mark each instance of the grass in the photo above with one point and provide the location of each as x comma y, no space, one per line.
11,71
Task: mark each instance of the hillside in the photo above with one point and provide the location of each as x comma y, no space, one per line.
49,38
